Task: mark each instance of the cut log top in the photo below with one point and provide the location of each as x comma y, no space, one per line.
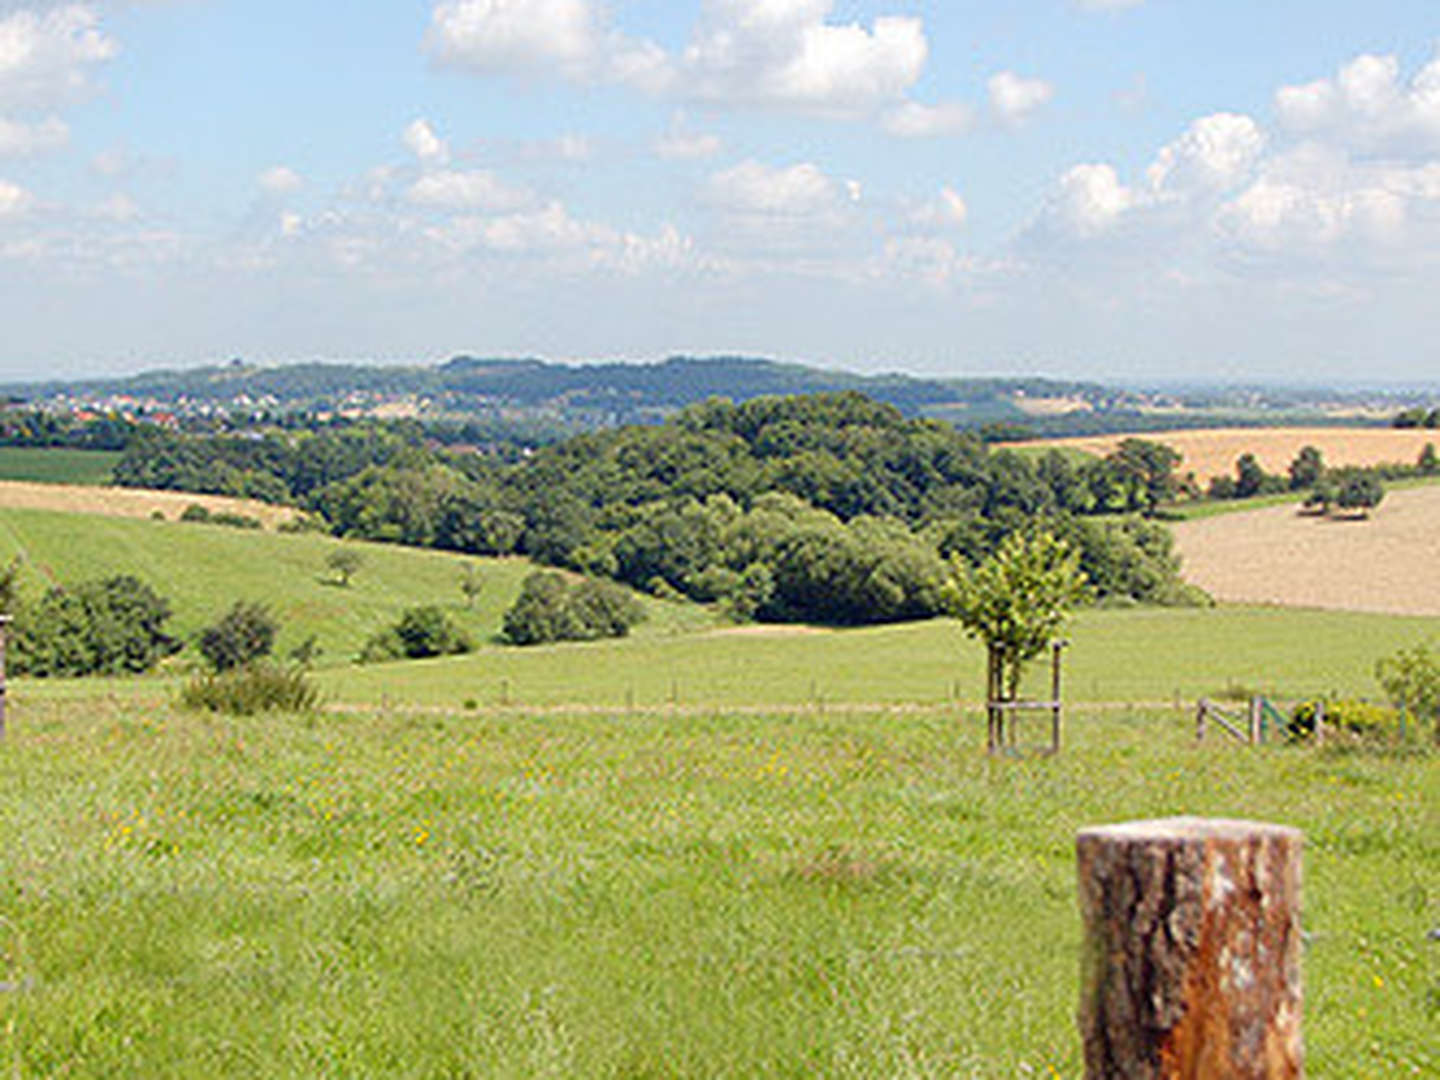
1188,829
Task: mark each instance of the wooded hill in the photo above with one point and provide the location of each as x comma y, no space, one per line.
832,508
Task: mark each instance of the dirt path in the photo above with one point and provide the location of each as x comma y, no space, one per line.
1388,564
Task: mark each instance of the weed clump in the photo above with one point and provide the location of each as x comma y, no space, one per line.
253,688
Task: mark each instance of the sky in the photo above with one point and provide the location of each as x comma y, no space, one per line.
1138,190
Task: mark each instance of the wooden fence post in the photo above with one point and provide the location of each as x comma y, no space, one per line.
1257,722
4,634
1202,713
1192,954
1320,722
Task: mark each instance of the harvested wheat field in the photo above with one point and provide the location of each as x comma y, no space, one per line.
1385,564
130,502
1212,452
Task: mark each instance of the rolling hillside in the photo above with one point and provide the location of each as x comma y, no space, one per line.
202,569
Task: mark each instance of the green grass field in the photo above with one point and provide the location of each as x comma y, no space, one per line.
57,466
203,569
854,894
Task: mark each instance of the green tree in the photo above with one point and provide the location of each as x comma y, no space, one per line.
10,586
242,635
1017,600
346,563
471,584
1428,461
108,627
1249,476
1411,679
1359,489
1150,469
1306,469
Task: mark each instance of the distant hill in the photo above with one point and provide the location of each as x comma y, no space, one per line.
580,395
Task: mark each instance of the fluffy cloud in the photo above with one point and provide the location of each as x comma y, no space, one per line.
19,139
280,180
1013,98
1089,199
477,190
1215,154
1368,106
564,36
781,53
14,200
420,139
46,56
796,191
947,211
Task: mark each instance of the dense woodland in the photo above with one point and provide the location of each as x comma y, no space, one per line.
829,507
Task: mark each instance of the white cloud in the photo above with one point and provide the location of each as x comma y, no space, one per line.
796,191
563,36
280,180
782,53
1291,219
1368,106
477,190
785,53
420,139
913,120
14,200
46,57
19,139
1216,153
1089,199
1014,98
680,144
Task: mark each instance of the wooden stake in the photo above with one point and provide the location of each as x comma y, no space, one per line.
1191,966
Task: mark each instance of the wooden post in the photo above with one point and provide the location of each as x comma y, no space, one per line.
4,634
1056,648
1191,966
992,694
1255,722
1320,722
1202,714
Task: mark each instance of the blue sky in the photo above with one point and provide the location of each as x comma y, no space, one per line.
1131,189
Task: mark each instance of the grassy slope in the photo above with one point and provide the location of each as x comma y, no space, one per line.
56,466
846,895
203,569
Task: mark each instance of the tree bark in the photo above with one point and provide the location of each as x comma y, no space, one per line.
1192,953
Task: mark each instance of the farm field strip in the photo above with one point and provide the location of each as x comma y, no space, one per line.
1213,452
1389,563
55,465
130,502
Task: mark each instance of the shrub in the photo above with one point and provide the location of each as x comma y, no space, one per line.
421,632
244,633
245,691
236,521
550,609
108,627
195,513
1361,719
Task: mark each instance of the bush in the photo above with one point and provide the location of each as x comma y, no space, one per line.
245,691
108,627
195,513
550,609
1361,719
245,633
421,632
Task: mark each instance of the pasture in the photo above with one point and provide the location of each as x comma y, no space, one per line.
1278,555
56,465
1213,452
203,569
856,893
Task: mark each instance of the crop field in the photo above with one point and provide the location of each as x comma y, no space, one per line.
129,502
847,894
203,569
1210,453
57,465
1278,555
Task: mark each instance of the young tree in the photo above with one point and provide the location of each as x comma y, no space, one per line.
471,584
1249,476
346,563
1017,600
244,633
1411,679
1429,461
1359,489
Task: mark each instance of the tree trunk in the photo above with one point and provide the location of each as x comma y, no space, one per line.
1192,958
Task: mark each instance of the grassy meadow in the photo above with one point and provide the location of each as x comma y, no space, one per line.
57,465
856,893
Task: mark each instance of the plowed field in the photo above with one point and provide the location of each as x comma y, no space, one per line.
1213,452
1389,563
